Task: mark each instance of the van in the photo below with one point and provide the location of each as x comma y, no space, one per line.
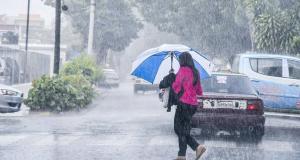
276,78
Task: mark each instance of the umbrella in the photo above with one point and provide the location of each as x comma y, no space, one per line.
155,63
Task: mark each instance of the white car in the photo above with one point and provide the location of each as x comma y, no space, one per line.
10,99
275,77
143,86
111,78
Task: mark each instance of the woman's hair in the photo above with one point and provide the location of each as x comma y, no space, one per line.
186,60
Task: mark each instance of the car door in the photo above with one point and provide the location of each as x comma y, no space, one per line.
294,80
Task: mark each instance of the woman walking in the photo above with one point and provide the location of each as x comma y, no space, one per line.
187,84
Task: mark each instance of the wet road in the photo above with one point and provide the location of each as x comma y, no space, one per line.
127,127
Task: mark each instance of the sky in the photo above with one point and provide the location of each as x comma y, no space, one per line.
15,7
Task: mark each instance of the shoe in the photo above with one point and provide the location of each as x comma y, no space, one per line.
199,151
180,158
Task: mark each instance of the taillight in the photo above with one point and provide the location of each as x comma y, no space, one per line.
252,107
255,105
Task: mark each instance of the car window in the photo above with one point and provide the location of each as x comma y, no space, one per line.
230,84
267,66
294,69
253,64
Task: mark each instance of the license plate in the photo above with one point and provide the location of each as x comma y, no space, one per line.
231,104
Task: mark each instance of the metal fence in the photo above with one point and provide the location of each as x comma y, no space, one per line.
12,65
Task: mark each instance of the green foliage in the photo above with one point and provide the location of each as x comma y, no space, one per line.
115,24
72,89
83,65
230,26
205,25
296,45
59,93
274,32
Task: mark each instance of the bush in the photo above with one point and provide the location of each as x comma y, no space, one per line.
60,93
72,89
84,65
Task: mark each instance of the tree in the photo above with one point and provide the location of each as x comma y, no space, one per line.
10,38
275,24
296,45
205,25
274,32
115,24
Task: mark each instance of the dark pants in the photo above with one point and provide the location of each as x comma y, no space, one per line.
182,127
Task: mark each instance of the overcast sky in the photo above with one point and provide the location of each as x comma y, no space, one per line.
15,7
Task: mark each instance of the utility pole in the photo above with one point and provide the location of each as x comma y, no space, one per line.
26,41
57,37
91,27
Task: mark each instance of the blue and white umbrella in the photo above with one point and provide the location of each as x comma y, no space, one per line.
153,64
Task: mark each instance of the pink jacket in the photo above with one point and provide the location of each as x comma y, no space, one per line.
184,78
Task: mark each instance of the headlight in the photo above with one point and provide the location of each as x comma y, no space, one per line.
8,92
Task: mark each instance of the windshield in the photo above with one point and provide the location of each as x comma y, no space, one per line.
229,84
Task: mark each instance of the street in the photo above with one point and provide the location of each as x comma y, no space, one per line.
121,125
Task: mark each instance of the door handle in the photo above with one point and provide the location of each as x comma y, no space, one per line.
255,80
294,85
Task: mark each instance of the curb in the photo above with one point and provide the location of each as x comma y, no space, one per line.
282,115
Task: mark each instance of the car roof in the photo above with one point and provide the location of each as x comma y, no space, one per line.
266,55
108,70
228,74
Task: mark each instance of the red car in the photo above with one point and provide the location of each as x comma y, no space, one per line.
229,103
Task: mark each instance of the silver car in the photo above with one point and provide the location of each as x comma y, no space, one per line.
10,99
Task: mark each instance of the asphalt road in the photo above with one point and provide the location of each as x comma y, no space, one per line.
123,126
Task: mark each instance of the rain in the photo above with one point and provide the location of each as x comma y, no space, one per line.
142,79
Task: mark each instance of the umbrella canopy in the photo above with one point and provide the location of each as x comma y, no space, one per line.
155,63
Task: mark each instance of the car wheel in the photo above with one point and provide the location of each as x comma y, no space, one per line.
259,131
253,133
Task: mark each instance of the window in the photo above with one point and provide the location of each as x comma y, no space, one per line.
267,66
294,69
253,63
230,84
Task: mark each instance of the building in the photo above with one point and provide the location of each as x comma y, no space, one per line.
18,24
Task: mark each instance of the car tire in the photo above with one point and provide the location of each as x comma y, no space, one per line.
255,134
259,131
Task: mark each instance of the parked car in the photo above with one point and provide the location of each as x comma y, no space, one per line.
111,78
10,99
229,103
141,85
275,77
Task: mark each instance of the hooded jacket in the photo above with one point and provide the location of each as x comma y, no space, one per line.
184,78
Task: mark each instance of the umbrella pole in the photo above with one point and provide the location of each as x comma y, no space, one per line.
172,55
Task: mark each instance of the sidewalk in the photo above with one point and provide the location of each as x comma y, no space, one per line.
282,115
25,111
